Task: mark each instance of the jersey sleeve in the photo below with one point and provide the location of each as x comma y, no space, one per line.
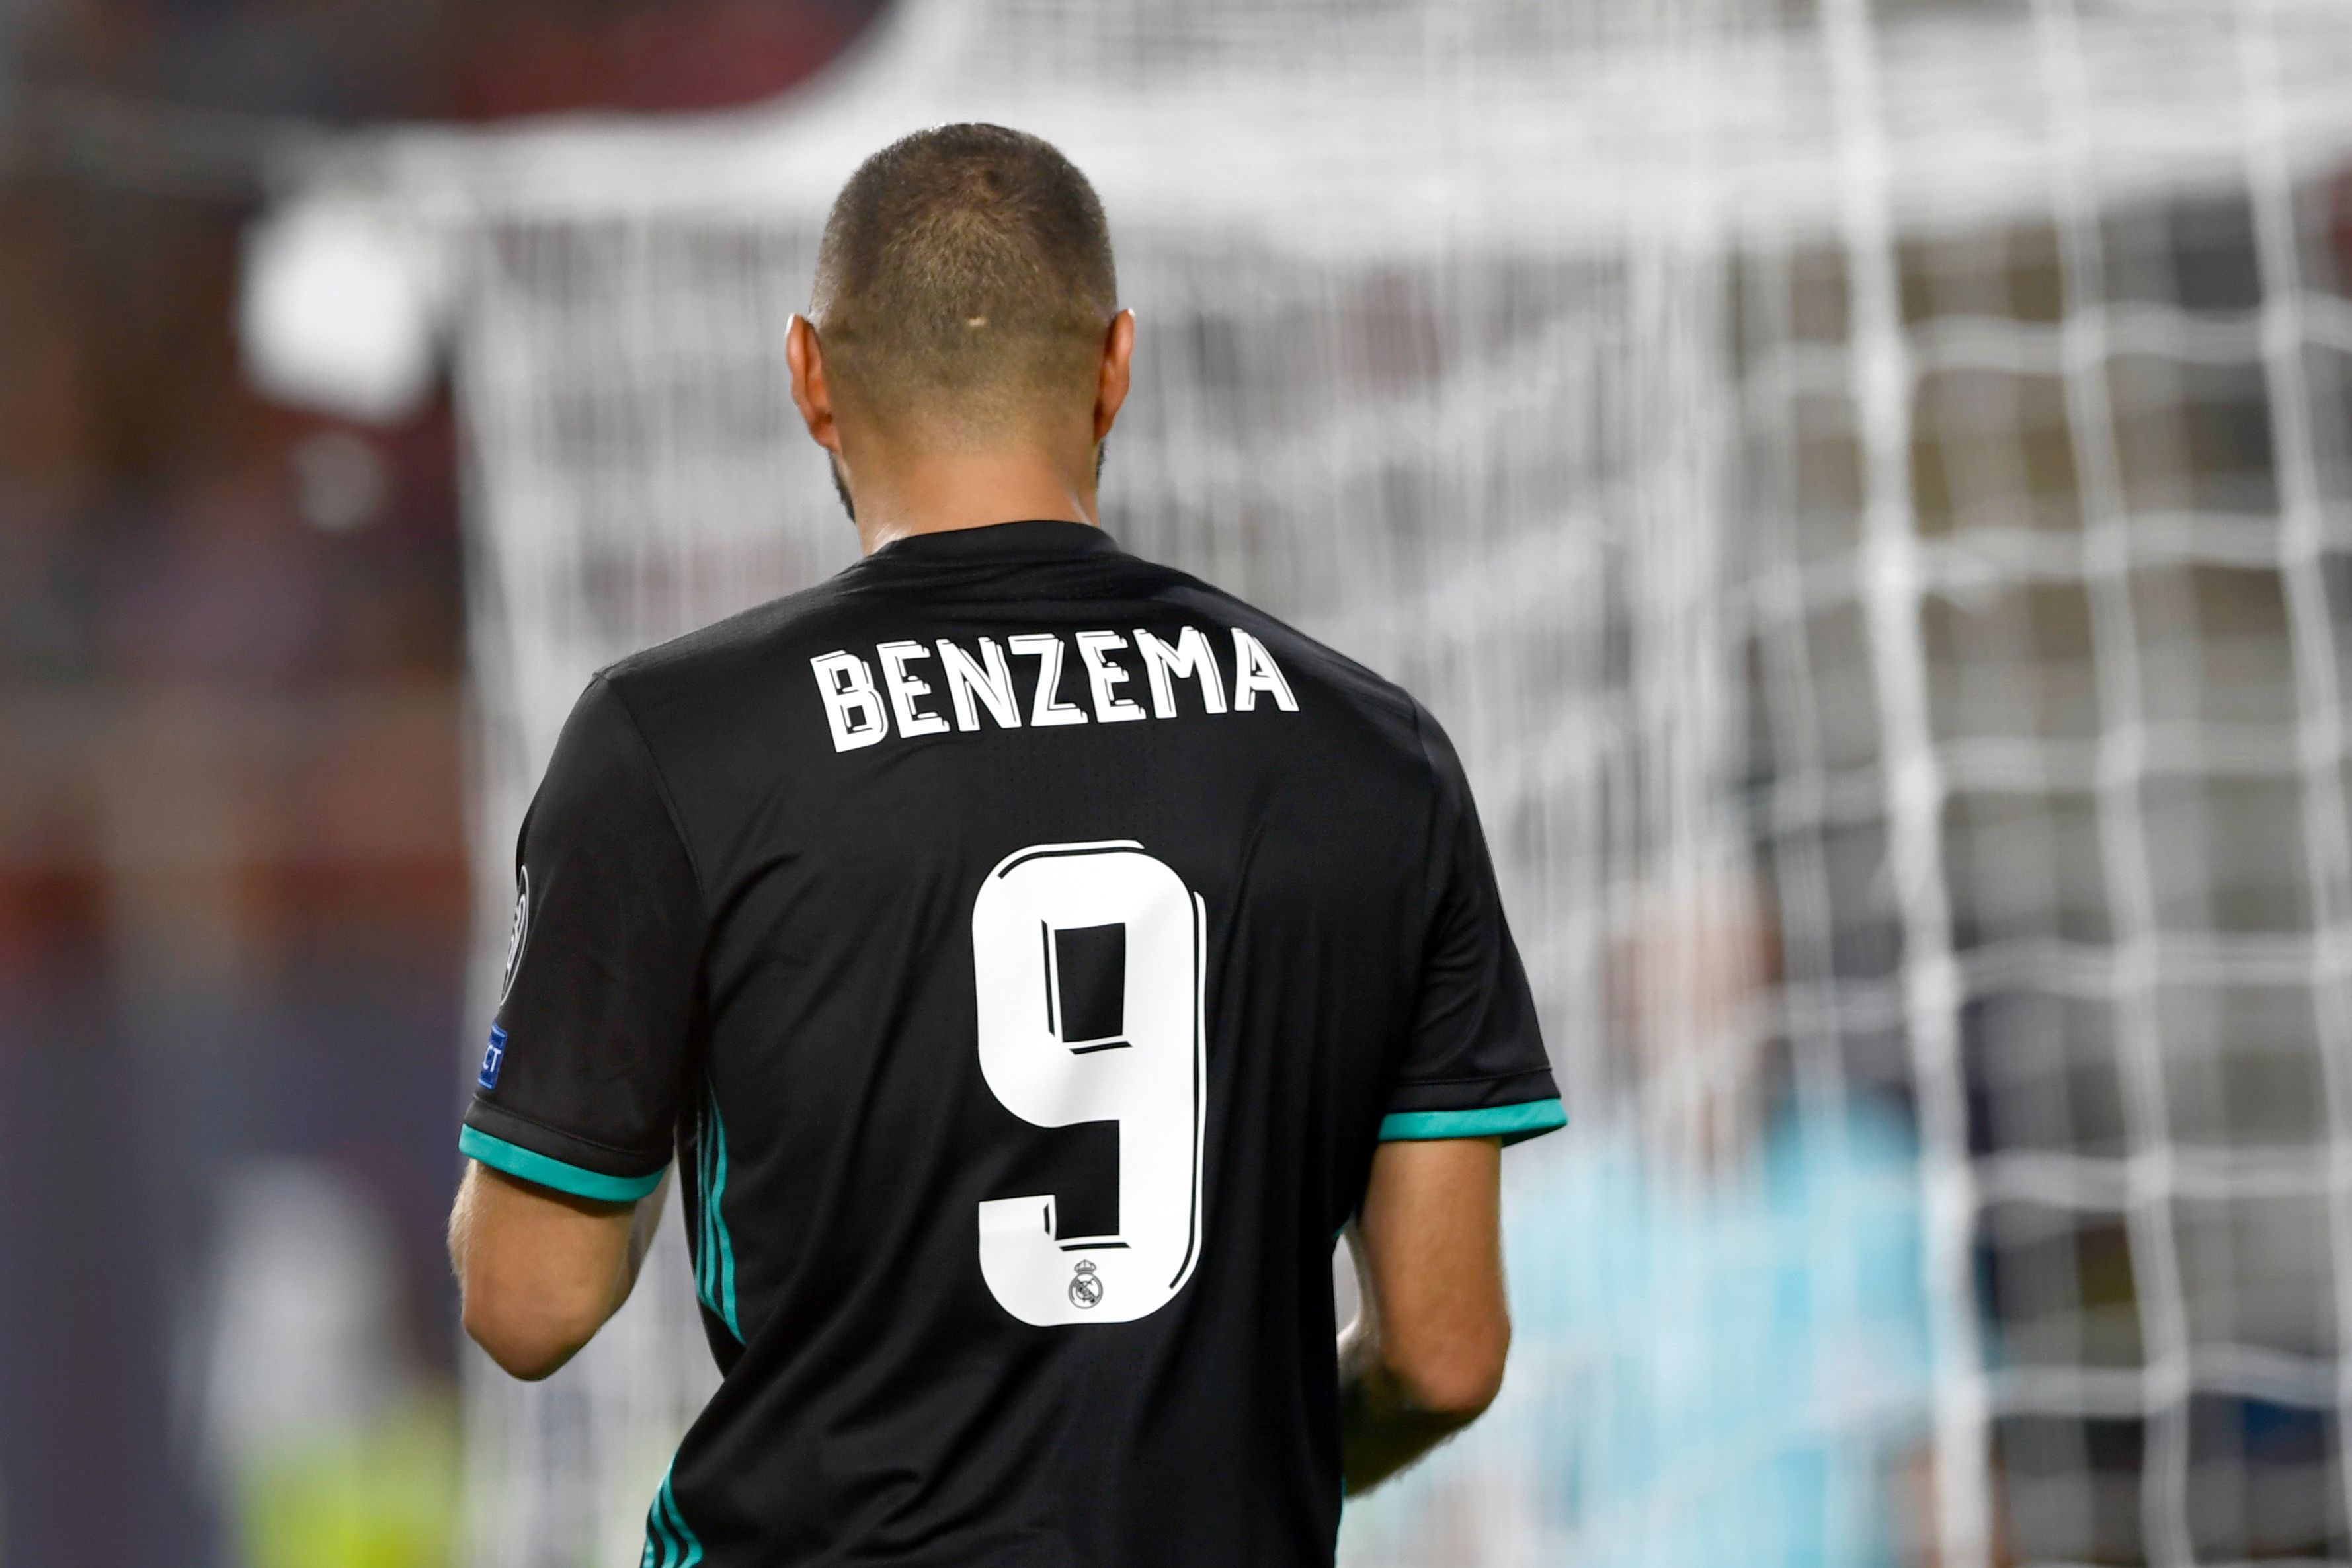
1473,1064
579,1089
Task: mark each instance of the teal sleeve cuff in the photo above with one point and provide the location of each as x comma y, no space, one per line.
526,1165
1512,1124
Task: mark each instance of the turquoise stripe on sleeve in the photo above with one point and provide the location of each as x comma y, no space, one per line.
532,1166
686,1531
1509,1123
714,1277
723,1276
659,1552
670,1541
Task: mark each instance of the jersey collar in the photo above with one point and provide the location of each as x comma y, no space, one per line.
1032,539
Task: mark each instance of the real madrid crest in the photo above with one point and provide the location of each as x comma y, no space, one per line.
1086,1286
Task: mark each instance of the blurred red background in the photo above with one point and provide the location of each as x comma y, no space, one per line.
233,881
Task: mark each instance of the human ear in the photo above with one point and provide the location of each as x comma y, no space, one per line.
811,393
1112,376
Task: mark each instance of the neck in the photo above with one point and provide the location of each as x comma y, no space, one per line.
936,492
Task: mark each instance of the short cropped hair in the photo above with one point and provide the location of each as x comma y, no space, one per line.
965,274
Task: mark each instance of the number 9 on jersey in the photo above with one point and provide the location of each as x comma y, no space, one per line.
1089,964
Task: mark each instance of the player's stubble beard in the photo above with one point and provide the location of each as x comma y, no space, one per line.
841,484
841,487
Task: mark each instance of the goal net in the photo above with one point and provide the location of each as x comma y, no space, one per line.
1865,487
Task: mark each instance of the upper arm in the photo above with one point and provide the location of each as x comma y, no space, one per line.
1429,1256
580,1089
575,1109
1473,1064
1471,1076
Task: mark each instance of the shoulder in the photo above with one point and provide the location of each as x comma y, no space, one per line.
697,695
739,642
722,670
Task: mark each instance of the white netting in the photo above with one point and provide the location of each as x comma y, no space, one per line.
1868,493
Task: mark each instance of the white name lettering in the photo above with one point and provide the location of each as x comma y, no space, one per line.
989,682
905,688
1255,671
1103,676
852,707
1163,666
1046,710
862,709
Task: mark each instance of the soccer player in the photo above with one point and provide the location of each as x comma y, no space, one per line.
1035,957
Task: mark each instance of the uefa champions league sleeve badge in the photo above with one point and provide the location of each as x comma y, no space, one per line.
518,932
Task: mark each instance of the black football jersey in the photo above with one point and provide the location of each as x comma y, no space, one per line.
1022,947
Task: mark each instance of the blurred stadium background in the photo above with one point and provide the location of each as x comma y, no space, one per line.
1868,486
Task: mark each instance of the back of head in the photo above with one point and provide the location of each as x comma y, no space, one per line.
964,284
